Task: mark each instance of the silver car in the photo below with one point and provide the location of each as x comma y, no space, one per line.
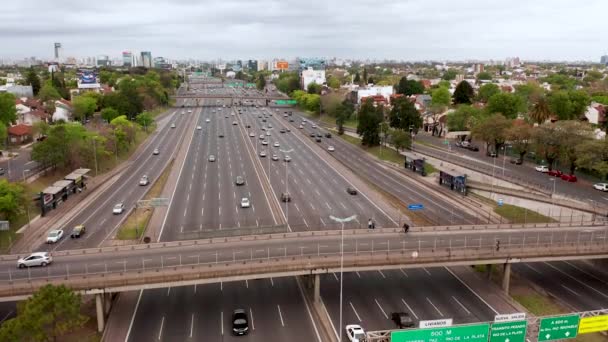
35,259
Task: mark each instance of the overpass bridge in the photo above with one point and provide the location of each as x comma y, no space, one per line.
105,270
231,96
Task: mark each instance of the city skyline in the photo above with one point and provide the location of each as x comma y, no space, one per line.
404,31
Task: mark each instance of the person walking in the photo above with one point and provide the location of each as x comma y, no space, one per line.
406,228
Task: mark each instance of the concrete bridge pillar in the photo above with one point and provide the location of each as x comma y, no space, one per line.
100,312
317,288
489,271
107,303
506,278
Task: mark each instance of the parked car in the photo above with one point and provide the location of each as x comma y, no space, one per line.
516,161
54,236
472,148
402,320
492,154
569,178
355,333
35,259
78,231
351,191
601,186
555,173
542,168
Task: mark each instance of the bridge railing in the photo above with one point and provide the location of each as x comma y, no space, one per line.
289,259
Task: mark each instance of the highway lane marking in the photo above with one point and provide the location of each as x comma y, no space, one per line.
358,275
100,264
433,305
194,288
191,325
318,193
533,269
271,282
355,311
328,207
252,322
322,222
222,322
571,290
382,274
462,306
181,228
585,272
280,315
381,309
168,290
203,209
312,206
408,307
309,312
246,283
306,223
160,331
578,281
335,276
427,271
342,204
221,286
402,271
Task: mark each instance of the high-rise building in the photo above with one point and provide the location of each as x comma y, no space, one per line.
604,59
262,65
57,50
252,65
127,59
103,60
146,59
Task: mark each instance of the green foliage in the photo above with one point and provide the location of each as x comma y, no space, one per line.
48,92
572,134
449,75
401,140
405,115
8,112
310,102
464,118
506,104
288,82
540,111
486,91
109,114
124,132
603,99
357,78
343,112
261,82
12,199
314,88
464,93
580,101
83,107
547,142
443,84
561,105
560,81
492,131
50,313
441,97
364,80
145,120
484,75
520,135
333,82
370,118
593,156
32,79
58,81
529,92
409,87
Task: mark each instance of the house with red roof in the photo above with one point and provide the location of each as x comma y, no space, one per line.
19,134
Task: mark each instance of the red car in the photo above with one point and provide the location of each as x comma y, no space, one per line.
555,173
569,178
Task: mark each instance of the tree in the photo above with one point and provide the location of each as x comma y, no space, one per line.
130,94
343,113
492,130
83,107
486,91
145,120
385,132
529,92
404,115
464,93
314,88
580,101
506,104
12,199
484,75
409,87
357,78
364,76
441,97
369,123
561,105
449,75
547,142
50,313
261,82
443,84
520,136
572,134
401,140
8,112
58,81
464,118
540,111
123,131
333,82
593,156
109,114
48,93
32,79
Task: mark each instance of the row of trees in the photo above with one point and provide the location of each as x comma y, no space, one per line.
310,102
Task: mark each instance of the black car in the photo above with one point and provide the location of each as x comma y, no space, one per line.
516,161
240,322
312,135
290,120
328,135
472,148
318,139
285,197
221,135
351,191
492,154
282,130
402,320
78,231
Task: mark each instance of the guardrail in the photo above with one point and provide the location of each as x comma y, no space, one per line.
286,260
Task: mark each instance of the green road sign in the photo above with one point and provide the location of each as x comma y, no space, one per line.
508,331
250,85
558,328
286,102
468,333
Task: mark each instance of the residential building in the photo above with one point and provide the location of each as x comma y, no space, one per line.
63,110
384,91
19,134
146,59
314,76
262,65
127,59
596,114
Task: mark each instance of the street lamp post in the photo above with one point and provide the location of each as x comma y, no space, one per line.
504,158
27,204
286,184
342,221
553,193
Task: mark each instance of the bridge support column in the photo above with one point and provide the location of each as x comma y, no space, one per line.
107,302
489,271
317,288
506,278
100,312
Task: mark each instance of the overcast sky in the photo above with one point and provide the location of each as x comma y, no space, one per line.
395,29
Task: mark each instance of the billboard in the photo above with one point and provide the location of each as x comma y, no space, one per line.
282,65
87,77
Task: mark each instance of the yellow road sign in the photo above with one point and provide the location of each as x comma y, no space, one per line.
593,324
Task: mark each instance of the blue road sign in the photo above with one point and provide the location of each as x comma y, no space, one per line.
418,206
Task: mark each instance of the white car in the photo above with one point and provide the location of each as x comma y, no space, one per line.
276,144
143,181
252,135
35,259
118,208
542,168
262,136
189,110
265,142
268,133
269,125
287,159
199,127
207,120
355,333
156,152
301,126
245,202
54,236
331,149
275,157
314,126
263,154
601,186
211,158
172,125
234,123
